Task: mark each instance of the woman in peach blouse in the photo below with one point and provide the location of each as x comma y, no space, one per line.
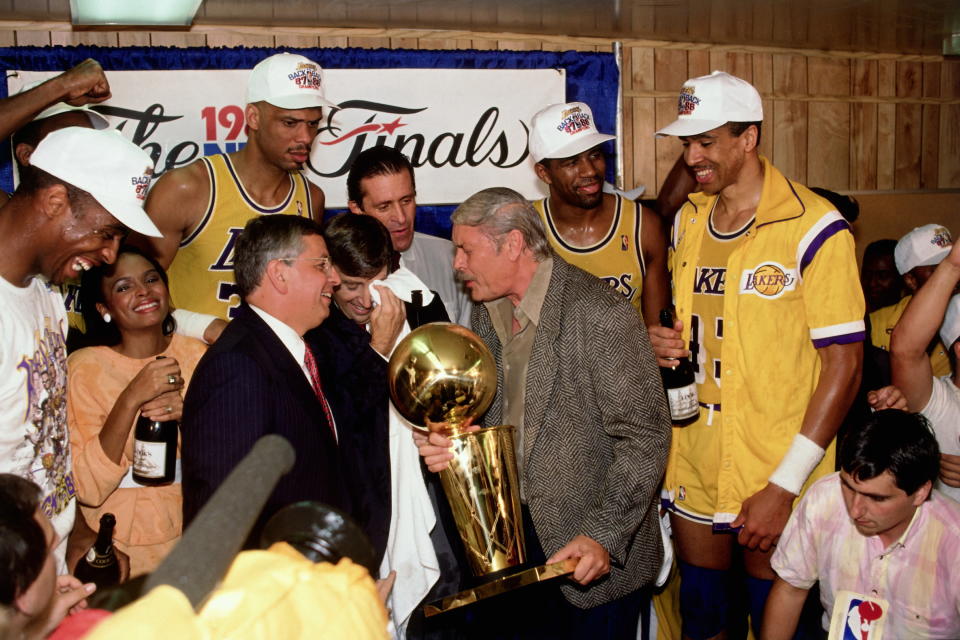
139,366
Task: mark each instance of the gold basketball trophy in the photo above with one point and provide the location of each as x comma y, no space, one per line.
443,378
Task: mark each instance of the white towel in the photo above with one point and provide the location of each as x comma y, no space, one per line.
409,549
403,283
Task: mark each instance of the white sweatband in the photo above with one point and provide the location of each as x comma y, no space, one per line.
192,324
801,459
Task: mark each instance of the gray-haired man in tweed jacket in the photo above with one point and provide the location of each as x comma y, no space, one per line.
577,377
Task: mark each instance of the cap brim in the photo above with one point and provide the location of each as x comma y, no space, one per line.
936,258
930,261
131,216
97,121
578,145
300,101
688,127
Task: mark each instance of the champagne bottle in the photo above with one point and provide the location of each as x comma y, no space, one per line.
680,384
100,564
155,451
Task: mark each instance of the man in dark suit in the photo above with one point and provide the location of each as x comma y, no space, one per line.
260,377
361,251
364,334
577,377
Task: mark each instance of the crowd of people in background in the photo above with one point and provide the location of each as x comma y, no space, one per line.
815,490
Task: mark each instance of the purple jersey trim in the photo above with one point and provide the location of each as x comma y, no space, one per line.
846,338
815,244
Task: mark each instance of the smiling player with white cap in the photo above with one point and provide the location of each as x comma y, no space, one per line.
768,298
82,193
606,234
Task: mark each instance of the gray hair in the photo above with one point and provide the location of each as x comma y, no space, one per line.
266,238
498,211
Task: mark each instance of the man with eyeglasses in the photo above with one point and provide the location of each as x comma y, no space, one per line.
262,377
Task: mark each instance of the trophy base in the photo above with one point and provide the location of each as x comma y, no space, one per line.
501,585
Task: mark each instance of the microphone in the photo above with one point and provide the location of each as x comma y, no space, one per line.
200,560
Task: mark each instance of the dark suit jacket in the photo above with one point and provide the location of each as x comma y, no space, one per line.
596,429
245,386
355,379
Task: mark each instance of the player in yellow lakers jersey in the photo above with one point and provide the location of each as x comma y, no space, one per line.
204,262
604,234
617,257
781,357
200,208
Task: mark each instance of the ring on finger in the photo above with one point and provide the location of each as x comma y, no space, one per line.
169,409
171,379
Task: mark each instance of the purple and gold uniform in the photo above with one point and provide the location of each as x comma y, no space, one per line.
790,288
201,275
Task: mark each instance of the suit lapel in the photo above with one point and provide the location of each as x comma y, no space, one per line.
543,359
280,363
483,327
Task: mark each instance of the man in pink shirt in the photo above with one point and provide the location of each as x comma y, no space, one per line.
890,562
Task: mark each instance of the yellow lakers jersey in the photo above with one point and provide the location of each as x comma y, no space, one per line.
201,276
617,259
706,320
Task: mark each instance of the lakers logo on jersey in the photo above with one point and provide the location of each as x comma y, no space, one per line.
622,284
710,280
768,280
224,261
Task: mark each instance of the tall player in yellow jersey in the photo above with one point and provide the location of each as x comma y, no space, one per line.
202,207
605,234
778,359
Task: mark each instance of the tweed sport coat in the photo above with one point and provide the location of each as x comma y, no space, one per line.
596,429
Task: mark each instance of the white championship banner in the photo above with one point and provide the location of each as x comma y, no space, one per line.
463,129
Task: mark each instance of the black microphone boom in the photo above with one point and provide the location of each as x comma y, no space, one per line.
200,560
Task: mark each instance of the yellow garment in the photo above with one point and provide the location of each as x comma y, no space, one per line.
70,290
792,287
696,495
265,595
201,275
617,259
666,605
882,322
149,519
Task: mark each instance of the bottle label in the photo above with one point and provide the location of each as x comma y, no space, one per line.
149,458
684,402
99,561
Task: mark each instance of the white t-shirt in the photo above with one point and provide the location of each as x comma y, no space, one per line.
943,412
431,259
34,441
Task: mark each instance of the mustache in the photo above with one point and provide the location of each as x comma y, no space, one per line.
462,277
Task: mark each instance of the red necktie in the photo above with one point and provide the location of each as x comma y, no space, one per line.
311,363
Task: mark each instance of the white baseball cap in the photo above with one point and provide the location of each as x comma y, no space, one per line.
106,165
97,121
924,246
288,81
564,130
950,329
708,102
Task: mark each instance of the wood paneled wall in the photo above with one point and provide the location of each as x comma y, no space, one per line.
846,121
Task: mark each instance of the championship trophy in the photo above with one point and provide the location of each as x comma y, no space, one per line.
443,378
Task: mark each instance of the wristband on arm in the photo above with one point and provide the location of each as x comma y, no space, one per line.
801,459
192,324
